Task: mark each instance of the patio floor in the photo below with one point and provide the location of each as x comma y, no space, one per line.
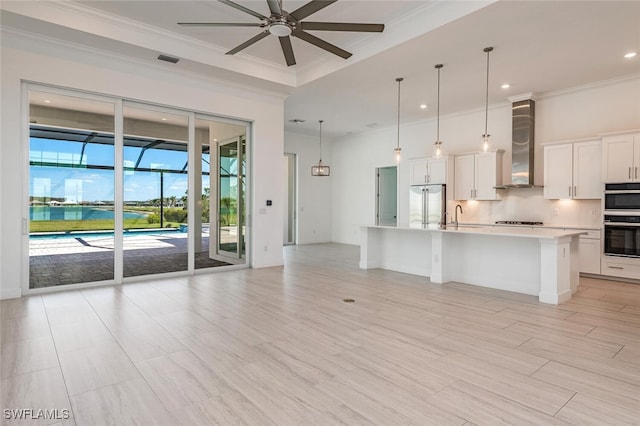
54,262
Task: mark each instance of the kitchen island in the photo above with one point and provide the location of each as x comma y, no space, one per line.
536,261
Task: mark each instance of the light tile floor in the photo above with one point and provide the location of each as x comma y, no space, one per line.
279,346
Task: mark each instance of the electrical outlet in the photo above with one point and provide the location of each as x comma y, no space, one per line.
556,212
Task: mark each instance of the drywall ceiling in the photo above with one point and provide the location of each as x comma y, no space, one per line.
540,47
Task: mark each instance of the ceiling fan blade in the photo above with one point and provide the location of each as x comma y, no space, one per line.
287,49
248,43
220,24
322,44
342,26
243,9
310,8
274,6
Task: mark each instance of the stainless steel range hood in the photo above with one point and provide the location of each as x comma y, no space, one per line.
522,145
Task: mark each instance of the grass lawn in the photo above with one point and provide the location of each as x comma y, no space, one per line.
91,225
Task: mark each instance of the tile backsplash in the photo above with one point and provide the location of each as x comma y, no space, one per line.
529,205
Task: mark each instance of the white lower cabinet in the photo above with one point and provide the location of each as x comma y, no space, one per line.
622,267
590,252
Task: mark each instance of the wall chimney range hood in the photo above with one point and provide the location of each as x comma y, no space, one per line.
522,142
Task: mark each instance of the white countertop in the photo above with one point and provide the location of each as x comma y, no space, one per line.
506,231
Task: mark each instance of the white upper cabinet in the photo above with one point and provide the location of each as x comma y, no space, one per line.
430,171
621,158
465,177
558,171
419,172
437,170
572,170
476,175
587,170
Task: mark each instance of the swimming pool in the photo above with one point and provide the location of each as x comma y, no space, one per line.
102,234
76,213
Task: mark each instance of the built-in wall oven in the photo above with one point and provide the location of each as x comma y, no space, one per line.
622,219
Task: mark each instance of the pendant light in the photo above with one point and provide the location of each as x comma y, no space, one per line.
398,151
437,146
320,169
486,136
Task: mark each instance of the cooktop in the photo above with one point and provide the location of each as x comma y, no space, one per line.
518,222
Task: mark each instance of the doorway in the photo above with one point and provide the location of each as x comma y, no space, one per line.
289,224
387,196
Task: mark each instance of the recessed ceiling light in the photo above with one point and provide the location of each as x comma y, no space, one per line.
630,55
371,125
47,101
505,86
423,106
297,120
164,119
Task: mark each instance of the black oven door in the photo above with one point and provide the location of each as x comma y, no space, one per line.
622,239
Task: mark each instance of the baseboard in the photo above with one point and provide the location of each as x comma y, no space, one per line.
10,293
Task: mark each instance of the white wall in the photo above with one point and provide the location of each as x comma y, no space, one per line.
579,113
314,207
38,60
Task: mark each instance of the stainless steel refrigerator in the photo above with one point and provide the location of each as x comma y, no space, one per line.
427,205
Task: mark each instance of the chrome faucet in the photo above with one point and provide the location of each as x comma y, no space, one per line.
455,220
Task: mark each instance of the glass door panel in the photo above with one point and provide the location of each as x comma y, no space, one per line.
71,189
221,207
231,198
155,191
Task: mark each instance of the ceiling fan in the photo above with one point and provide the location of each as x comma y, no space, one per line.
284,24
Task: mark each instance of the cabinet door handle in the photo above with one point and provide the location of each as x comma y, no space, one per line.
569,191
636,172
616,267
471,193
575,191
629,172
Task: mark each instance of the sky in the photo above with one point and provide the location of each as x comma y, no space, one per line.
90,185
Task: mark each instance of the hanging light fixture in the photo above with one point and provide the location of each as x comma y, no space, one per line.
320,169
398,151
486,136
437,146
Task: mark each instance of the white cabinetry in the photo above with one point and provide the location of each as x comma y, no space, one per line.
621,158
476,175
428,171
572,170
623,267
590,252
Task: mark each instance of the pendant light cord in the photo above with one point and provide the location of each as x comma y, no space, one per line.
320,121
438,67
399,79
486,106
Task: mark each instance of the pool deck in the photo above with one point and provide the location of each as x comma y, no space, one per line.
87,258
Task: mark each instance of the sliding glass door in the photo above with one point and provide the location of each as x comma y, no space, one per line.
71,189
155,186
119,189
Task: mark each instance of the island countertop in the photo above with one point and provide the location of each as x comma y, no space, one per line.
507,231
